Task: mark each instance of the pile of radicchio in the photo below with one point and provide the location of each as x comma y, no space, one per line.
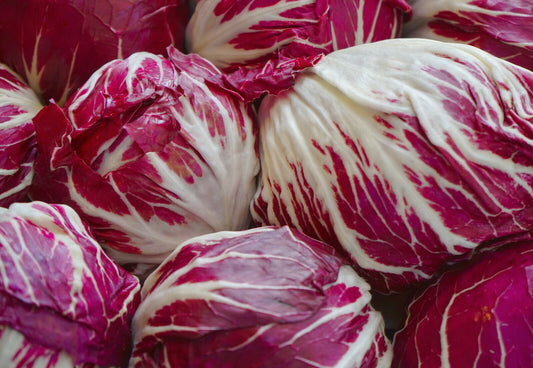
266,183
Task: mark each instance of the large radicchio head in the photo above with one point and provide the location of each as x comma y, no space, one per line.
18,105
269,297
150,152
64,302
404,153
55,45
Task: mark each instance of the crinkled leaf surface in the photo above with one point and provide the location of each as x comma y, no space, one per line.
270,297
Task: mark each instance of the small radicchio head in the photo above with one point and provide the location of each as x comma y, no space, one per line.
261,44
64,302
478,314
502,28
55,45
270,297
404,153
150,152
18,105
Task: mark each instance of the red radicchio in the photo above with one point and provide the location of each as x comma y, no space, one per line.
405,153
502,28
55,45
476,315
270,297
18,105
63,301
261,44
150,153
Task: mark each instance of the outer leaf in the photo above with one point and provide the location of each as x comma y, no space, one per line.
503,28
405,153
270,297
477,315
261,44
150,153
18,105
55,45
60,290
